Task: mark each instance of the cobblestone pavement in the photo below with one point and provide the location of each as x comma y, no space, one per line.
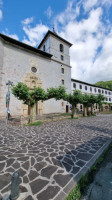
49,157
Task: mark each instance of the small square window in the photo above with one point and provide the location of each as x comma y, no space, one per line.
62,57
62,81
62,70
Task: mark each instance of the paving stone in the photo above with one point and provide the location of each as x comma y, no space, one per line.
49,193
23,158
22,172
16,165
37,185
80,163
72,143
26,165
40,165
29,198
32,161
56,162
69,161
32,175
10,161
84,156
62,180
25,179
48,171
45,154
75,170
2,166
22,189
4,180
67,166
2,158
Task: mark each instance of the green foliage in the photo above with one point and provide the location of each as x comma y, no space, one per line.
75,194
21,92
92,99
105,84
86,100
75,98
57,93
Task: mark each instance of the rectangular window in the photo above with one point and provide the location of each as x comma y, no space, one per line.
62,70
99,91
102,91
109,99
62,82
80,87
105,92
61,48
62,57
85,87
74,85
95,89
91,89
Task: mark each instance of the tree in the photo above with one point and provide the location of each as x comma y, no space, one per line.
74,99
92,100
22,92
86,102
57,93
99,100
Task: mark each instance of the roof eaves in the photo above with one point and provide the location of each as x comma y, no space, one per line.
23,45
89,84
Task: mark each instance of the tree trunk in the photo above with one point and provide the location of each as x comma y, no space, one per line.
92,109
33,113
74,111
85,111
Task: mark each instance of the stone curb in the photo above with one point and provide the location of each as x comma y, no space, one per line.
68,188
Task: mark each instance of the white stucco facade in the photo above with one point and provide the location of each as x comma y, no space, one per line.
91,89
15,65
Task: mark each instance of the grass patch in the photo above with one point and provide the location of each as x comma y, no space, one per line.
93,114
65,114
87,178
34,124
106,112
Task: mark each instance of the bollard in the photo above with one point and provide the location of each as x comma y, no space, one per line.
15,181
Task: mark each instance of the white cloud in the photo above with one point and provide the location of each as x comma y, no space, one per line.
87,34
27,21
49,12
89,4
1,15
14,36
35,34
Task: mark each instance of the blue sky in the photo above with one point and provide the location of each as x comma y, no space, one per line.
87,24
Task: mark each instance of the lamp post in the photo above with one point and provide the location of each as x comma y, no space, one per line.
9,83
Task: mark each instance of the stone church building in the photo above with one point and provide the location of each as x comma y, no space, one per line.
46,66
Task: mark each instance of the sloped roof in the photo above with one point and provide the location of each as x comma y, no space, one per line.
54,34
23,45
